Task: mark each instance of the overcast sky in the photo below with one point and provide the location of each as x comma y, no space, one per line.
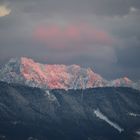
101,34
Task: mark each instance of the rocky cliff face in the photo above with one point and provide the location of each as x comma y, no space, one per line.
33,74
27,72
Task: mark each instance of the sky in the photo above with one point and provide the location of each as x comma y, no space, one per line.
101,34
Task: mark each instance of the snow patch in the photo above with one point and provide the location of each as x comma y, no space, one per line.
32,138
133,114
15,122
100,115
2,137
138,132
50,96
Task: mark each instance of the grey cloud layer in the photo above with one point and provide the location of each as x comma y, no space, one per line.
101,7
114,16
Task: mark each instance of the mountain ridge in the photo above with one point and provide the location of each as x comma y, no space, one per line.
28,72
105,113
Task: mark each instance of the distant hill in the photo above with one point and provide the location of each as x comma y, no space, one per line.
28,113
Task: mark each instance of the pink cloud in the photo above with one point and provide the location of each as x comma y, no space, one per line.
83,33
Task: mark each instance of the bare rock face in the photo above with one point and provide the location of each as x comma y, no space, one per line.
28,72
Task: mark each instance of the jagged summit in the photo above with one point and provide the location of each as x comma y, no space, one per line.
122,81
28,72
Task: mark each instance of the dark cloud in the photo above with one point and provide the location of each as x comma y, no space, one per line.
99,7
128,54
113,50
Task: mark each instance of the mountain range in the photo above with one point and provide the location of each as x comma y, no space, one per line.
59,102
26,71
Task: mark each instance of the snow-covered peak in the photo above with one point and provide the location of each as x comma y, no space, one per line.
125,81
31,73
28,72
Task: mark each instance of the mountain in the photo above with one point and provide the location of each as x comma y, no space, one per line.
109,113
122,82
28,72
